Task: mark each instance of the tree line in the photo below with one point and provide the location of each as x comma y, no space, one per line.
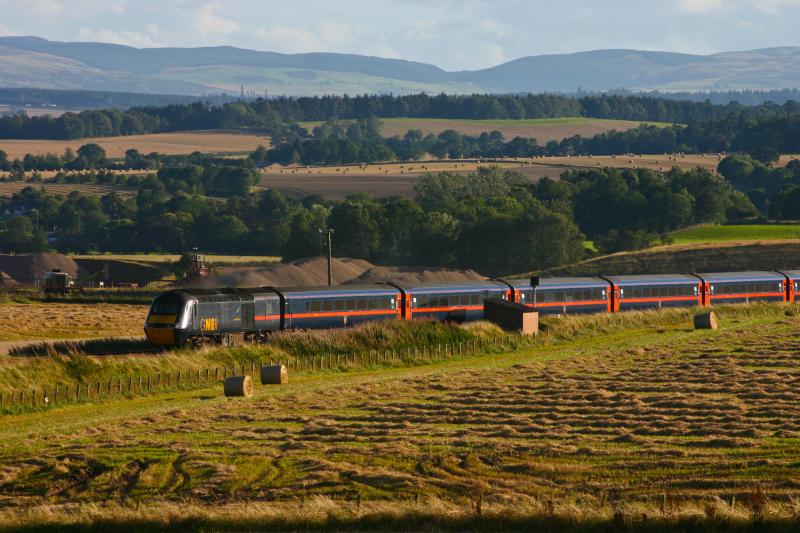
336,143
495,221
278,116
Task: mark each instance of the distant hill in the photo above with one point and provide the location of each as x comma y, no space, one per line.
35,62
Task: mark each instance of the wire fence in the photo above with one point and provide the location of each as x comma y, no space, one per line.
130,387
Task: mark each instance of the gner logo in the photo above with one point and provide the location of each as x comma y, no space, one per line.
209,324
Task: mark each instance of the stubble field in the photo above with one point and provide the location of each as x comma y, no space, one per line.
543,129
213,142
628,421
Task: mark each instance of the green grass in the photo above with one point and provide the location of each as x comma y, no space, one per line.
755,232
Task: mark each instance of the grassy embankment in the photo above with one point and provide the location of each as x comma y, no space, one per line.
754,232
630,421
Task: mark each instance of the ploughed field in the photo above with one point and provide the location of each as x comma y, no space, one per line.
633,418
380,179
397,179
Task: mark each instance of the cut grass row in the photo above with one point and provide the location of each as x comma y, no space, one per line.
630,421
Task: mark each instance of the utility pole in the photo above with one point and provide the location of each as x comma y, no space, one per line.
329,245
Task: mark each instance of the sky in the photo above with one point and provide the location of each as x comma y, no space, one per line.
452,34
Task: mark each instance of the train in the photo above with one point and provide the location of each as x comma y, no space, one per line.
234,316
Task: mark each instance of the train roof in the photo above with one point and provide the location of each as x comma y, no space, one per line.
338,290
794,274
223,291
721,277
455,286
559,283
655,279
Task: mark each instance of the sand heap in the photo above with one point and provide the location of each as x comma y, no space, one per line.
314,272
7,281
412,275
27,269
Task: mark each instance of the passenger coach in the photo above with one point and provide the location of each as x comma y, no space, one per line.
232,316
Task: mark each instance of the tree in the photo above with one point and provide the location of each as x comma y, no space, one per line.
356,226
235,181
18,235
93,154
767,156
736,168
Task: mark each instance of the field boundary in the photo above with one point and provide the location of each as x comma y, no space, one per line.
130,387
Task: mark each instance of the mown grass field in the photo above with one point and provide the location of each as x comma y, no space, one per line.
11,188
33,321
634,421
215,142
755,232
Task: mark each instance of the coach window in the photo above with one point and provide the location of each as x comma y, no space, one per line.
327,305
351,305
338,305
315,307
362,304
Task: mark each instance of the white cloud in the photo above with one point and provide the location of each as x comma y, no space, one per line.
700,6
41,8
422,30
128,38
289,40
325,37
770,7
208,21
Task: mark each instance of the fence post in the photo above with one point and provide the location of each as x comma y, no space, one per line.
33,397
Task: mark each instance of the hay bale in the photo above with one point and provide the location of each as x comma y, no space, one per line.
706,321
238,386
274,375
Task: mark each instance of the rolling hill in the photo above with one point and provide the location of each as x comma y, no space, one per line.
36,62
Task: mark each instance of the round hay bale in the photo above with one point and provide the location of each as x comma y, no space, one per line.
239,386
706,321
274,375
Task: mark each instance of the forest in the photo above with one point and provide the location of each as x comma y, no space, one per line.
497,222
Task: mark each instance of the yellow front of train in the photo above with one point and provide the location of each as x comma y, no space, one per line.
167,322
